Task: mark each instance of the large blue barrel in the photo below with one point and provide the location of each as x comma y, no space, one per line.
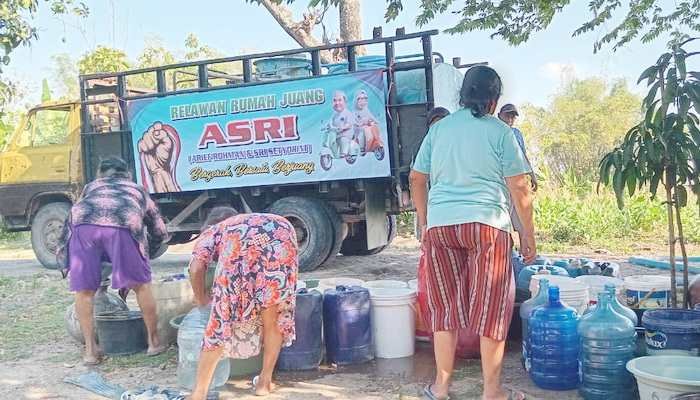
307,350
346,325
275,68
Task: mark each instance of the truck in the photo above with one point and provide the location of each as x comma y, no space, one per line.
327,146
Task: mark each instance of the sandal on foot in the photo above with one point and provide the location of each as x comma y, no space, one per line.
158,350
92,363
254,383
428,393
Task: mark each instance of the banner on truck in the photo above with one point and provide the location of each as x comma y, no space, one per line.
321,129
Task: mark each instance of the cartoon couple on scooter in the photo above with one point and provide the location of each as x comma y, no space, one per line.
351,133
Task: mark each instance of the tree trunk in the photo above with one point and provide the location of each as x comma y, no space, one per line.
296,30
350,22
669,184
681,238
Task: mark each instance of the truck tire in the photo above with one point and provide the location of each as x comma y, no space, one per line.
340,231
47,227
357,245
313,227
159,252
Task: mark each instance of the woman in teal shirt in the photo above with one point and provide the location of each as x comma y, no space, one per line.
475,167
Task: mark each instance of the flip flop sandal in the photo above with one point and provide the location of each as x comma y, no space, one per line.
92,363
157,351
428,393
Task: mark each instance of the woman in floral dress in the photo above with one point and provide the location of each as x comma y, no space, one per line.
253,296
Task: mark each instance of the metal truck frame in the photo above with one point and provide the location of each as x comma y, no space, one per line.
352,217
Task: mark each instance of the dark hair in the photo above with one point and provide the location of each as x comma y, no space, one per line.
113,167
437,113
481,87
218,214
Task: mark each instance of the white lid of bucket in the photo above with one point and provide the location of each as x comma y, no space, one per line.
385,283
596,283
647,283
392,294
565,283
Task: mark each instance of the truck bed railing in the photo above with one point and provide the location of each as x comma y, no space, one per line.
117,91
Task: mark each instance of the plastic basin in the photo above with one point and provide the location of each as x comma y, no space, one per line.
662,377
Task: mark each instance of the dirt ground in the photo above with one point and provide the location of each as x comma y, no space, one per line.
36,354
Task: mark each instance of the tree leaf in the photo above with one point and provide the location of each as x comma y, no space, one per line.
648,73
651,95
654,184
679,58
632,180
619,187
649,115
681,196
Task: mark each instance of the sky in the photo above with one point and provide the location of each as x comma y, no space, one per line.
532,72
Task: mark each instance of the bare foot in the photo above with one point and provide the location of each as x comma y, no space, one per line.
263,388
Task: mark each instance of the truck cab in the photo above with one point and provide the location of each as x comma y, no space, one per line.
41,174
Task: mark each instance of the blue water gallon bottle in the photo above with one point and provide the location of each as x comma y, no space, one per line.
307,350
526,311
346,325
608,342
554,344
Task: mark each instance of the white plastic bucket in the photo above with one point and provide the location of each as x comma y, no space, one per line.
662,377
596,285
331,283
393,322
571,292
385,284
423,333
647,291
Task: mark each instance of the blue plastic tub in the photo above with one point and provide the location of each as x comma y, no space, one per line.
282,67
672,332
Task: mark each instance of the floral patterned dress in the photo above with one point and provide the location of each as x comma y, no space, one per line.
256,256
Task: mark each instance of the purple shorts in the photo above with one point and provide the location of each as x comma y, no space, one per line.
90,244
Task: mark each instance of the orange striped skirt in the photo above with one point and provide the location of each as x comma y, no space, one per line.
467,279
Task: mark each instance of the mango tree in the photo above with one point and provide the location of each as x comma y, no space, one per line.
664,148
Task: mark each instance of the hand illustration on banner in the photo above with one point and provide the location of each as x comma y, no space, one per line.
159,150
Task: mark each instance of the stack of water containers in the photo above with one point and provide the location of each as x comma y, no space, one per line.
563,350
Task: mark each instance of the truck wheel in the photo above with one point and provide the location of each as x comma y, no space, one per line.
313,228
340,231
357,245
159,252
47,227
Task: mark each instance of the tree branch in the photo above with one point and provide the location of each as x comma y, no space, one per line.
285,19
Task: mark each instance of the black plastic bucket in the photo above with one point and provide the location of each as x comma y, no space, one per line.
121,333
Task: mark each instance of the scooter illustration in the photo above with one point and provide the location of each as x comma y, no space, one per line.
372,140
330,149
